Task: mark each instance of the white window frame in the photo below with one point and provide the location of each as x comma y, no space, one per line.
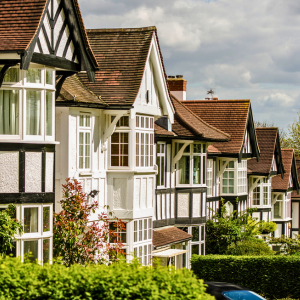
234,169
192,155
84,130
242,170
282,201
264,183
201,241
209,177
161,170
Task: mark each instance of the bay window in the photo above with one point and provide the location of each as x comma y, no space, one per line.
144,141
242,177
161,164
278,207
228,178
209,179
191,168
27,96
261,193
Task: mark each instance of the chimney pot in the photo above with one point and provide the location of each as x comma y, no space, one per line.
215,98
171,76
179,76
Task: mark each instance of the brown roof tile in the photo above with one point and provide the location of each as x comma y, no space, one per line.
73,92
121,54
161,131
278,183
168,236
266,138
230,116
188,124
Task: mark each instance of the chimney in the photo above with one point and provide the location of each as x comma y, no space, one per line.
177,86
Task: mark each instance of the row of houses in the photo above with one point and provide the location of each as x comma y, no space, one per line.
96,105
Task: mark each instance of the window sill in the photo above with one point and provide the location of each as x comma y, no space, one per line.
19,141
85,173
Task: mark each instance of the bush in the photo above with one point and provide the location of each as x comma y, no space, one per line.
250,247
272,276
117,281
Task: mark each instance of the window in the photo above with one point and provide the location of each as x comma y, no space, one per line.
84,141
9,112
144,141
119,149
261,193
121,235
198,240
242,177
228,178
247,145
256,194
160,161
209,179
34,89
191,166
142,230
274,167
278,208
31,220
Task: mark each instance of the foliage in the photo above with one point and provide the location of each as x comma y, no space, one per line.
292,139
224,229
273,276
75,238
9,227
288,245
266,227
250,247
116,281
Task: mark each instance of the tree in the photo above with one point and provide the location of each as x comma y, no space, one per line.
225,229
9,227
292,139
75,238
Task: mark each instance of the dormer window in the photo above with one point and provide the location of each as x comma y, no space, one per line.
85,141
274,167
246,145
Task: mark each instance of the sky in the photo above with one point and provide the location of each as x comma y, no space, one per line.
241,49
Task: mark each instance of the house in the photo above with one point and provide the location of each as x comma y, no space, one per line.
181,189
39,40
261,173
106,129
281,194
227,161
295,205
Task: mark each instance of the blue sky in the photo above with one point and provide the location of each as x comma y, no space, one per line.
242,49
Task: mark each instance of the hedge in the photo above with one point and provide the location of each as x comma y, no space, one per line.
117,281
272,276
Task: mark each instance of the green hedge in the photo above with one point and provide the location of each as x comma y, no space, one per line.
271,276
118,281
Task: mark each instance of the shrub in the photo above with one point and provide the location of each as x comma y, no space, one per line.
272,276
266,227
116,281
250,247
287,245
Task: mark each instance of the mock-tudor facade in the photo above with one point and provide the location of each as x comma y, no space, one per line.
47,40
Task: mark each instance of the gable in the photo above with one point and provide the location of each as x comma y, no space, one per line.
247,145
153,96
55,37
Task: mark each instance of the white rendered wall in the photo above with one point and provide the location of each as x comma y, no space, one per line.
295,214
180,95
33,172
9,174
49,172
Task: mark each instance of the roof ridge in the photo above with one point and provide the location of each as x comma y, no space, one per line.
266,128
149,28
208,125
216,101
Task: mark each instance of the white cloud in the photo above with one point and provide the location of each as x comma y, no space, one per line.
277,100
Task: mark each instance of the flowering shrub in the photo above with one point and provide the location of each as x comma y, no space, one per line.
75,238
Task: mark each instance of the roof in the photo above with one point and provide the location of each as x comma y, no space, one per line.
280,184
269,145
188,124
230,116
162,132
73,92
20,20
167,236
122,54
294,193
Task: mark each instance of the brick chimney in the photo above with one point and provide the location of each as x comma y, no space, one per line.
177,86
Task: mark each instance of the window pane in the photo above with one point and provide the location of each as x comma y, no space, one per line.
81,120
145,229
49,77
115,161
278,210
203,169
197,148
162,171
49,113
137,122
34,76
197,170
87,121
31,250
33,112
195,234
46,252
30,219
195,249
184,170
46,218
149,229
231,164
202,233
140,230
12,75
9,112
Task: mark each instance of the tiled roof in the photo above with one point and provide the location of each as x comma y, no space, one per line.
19,20
161,131
230,116
169,236
294,193
122,55
73,92
266,138
278,183
189,124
